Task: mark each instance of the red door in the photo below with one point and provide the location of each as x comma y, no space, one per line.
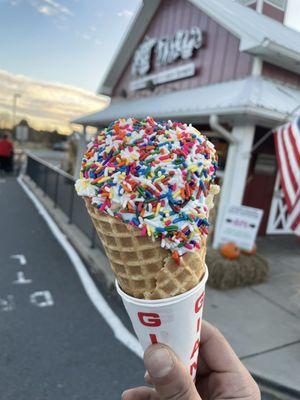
260,186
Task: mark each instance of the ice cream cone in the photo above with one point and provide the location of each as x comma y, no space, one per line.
142,267
148,187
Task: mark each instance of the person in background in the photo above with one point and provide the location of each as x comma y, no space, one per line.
6,154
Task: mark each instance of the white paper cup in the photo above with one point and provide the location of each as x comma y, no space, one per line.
175,321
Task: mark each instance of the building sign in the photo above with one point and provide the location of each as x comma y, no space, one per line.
22,133
142,58
241,225
179,46
165,51
172,74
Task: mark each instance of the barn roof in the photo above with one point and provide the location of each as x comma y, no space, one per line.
259,35
260,99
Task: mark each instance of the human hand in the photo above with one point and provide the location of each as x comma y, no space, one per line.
220,375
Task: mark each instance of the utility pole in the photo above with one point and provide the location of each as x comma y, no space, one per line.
81,143
14,109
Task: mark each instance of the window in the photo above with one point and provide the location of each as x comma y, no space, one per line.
281,4
246,2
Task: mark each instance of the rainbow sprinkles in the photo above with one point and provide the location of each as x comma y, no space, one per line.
156,176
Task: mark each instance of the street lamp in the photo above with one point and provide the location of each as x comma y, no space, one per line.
14,107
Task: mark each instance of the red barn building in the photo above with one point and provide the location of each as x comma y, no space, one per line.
229,67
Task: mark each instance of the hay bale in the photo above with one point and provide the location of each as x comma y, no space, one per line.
245,270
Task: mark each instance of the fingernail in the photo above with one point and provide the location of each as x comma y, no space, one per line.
159,363
124,394
147,378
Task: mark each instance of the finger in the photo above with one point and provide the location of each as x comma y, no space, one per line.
202,369
148,378
202,385
140,393
168,375
230,375
215,353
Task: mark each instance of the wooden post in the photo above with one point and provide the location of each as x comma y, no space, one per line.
236,170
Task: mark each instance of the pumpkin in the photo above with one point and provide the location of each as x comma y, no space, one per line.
252,251
230,251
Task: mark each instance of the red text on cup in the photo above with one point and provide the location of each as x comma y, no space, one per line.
149,319
199,302
195,348
153,338
193,367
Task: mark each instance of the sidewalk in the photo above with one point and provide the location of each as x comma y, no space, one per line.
262,322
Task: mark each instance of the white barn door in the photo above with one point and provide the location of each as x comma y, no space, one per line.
278,222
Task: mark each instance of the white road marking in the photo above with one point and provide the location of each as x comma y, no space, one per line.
21,280
42,299
7,304
120,331
2,180
20,257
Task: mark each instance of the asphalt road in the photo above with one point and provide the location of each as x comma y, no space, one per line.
54,345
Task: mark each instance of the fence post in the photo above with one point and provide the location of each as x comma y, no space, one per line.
71,207
35,171
93,240
28,166
45,181
56,190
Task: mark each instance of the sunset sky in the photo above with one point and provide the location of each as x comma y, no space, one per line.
45,105
57,42
64,42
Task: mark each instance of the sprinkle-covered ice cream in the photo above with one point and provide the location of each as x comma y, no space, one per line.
153,175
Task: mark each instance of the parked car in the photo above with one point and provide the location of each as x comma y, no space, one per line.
61,146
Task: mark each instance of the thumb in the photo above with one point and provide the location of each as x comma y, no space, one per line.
168,374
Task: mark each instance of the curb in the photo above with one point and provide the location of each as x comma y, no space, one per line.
94,258
278,388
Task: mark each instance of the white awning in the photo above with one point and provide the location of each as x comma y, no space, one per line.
254,97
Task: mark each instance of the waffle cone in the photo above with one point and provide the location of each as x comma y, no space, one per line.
142,267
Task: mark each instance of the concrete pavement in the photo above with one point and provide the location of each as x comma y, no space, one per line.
262,322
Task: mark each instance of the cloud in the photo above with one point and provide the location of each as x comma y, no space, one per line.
125,13
46,10
45,105
47,7
58,8
90,36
